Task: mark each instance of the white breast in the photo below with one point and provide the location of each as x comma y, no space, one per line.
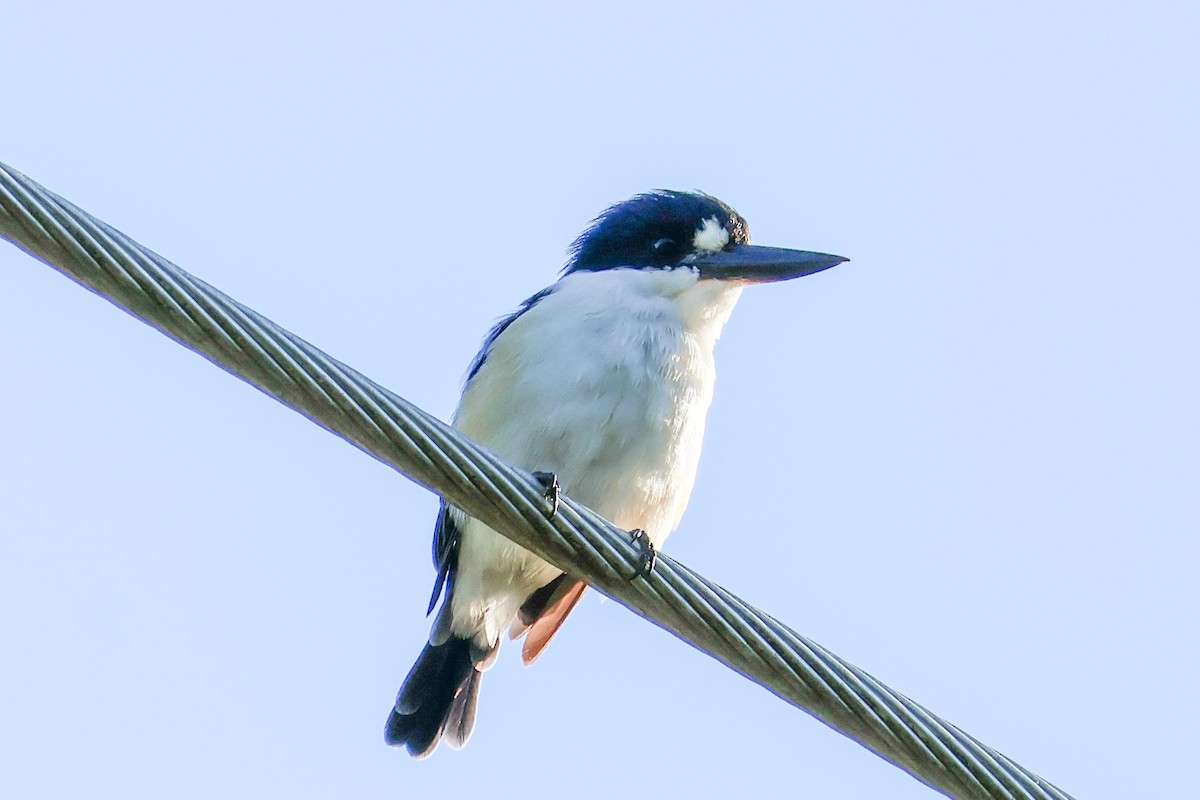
606,382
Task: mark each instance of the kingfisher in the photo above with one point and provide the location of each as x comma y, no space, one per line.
599,384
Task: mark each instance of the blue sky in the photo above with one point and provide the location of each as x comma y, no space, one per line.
966,461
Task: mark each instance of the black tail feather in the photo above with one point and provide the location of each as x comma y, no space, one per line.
460,722
427,700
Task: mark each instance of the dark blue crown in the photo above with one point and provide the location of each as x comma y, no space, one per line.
655,229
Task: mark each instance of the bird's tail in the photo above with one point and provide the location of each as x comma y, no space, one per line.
438,699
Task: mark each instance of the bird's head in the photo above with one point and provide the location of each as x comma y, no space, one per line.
668,229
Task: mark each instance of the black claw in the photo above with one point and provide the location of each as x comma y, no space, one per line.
648,557
553,493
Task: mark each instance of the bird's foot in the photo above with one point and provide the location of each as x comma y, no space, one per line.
648,556
553,493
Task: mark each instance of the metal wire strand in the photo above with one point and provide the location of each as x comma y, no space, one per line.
432,454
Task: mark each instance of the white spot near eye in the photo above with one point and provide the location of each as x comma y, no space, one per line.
711,236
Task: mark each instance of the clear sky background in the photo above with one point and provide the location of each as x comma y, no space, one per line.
966,461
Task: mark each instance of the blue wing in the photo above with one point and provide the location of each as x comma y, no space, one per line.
445,532
445,555
501,327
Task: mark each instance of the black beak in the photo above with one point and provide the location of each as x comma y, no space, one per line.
754,264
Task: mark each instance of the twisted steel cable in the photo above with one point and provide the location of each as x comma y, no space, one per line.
509,500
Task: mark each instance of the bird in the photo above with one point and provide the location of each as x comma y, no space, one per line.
600,384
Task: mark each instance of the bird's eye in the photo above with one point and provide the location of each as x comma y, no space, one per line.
664,245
